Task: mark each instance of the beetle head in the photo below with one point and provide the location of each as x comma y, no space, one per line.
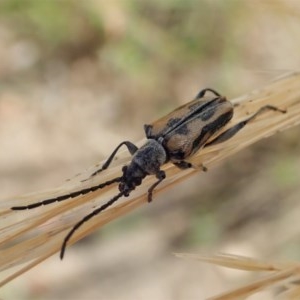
132,177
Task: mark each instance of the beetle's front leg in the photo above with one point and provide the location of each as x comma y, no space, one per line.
160,175
132,148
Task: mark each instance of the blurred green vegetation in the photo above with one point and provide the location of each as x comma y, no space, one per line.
57,26
50,21
141,39
150,42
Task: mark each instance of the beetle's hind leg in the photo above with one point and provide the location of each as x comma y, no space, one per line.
132,148
229,133
202,93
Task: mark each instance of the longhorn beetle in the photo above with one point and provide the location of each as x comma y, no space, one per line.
173,138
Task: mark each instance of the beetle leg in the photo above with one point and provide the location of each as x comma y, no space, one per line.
183,165
132,148
236,128
187,165
202,93
147,129
160,175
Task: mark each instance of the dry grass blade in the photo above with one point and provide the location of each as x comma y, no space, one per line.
29,237
249,289
284,275
232,261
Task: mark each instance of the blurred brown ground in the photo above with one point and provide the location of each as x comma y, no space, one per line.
72,74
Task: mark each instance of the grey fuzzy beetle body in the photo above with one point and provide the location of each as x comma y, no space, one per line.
146,161
173,138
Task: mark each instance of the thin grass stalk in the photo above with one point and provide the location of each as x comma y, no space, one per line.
282,279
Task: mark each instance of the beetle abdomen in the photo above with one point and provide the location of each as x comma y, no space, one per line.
190,136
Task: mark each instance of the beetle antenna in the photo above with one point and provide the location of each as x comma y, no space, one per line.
68,196
85,219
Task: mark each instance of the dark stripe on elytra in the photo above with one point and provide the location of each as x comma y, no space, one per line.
173,122
212,128
182,130
196,104
190,115
204,116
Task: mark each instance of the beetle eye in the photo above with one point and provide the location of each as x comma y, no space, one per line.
124,169
121,186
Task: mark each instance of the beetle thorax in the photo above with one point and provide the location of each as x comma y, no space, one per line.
146,161
150,157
